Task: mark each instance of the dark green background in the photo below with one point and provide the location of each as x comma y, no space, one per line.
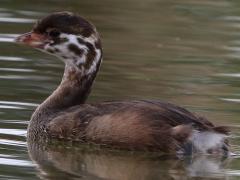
186,52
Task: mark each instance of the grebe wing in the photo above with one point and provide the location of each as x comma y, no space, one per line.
129,124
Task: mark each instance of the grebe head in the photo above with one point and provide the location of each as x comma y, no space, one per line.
69,37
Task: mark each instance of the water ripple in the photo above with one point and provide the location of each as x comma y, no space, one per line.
8,58
229,74
16,77
8,37
30,13
16,105
231,18
12,142
10,107
233,172
17,132
231,100
14,122
16,20
19,103
16,70
15,162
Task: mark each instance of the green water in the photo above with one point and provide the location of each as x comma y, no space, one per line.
186,52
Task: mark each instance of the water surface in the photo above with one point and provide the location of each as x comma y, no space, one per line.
186,52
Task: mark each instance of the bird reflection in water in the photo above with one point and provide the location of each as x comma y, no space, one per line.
58,160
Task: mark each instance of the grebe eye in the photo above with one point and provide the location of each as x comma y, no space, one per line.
54,33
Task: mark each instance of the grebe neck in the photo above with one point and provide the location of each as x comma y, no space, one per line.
82,58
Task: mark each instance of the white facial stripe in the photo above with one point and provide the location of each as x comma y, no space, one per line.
91,39
71,58
64,52
93,67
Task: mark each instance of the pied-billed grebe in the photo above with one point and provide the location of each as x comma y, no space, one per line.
137,125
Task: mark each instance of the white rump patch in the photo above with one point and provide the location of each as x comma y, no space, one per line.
203,141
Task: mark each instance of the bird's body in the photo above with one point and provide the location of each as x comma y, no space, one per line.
139,125
136,125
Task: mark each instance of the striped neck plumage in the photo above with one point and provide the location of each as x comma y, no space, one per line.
81,54
82,57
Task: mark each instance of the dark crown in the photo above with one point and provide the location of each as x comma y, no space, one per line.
66,22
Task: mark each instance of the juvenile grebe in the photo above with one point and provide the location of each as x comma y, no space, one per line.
135,125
